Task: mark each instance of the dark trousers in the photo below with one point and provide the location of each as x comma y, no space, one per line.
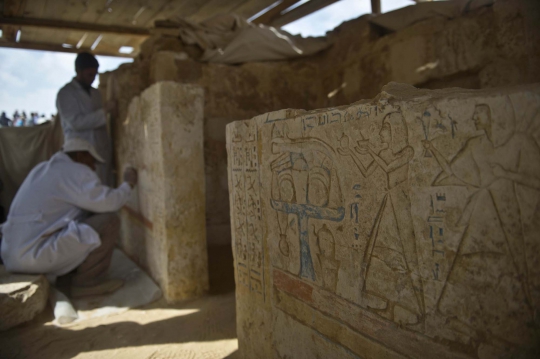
95,266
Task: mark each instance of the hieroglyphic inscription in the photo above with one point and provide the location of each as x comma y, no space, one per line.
418,214
247,208
311,121
312,160
436,223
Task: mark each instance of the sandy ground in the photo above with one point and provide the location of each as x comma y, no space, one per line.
202,328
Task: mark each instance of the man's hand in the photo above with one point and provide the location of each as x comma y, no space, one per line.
130,176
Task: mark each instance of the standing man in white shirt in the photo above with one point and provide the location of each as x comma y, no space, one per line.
62,220
82,113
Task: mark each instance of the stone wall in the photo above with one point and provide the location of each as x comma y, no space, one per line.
403,226
488,46
163,224
234,93
231,93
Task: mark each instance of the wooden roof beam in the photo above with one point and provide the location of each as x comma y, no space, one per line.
376,7
274,12
301,11
56,48
68,25
251,8
12,8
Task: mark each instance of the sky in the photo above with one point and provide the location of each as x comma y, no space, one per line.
30,80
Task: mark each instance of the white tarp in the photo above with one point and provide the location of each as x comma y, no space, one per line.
138,290
230,39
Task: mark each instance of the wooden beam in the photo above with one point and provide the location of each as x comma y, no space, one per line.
68,25
213,8
252,7
376,6
56,48
274,12
301,11
12,8
9,33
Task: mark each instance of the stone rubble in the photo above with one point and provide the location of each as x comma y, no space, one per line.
22,297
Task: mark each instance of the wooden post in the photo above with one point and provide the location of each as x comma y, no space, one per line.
375,6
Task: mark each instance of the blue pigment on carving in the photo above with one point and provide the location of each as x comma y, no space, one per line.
304,213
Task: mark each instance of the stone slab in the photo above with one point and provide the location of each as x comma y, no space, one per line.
402,226
163,224
22,297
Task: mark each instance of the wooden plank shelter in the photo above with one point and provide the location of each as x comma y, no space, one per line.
104,26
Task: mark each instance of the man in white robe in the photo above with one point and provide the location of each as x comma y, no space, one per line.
82,113
62,220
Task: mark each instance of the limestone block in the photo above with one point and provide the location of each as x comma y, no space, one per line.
22,297
163,224
400,227
163,65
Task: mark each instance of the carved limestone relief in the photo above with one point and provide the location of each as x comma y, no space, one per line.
415,214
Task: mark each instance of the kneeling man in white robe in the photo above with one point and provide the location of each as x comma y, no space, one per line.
62,221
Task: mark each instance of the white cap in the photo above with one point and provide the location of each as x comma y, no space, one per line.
78,144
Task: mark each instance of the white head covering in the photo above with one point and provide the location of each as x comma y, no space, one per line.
78,144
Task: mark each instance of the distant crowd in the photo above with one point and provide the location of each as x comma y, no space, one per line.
23,120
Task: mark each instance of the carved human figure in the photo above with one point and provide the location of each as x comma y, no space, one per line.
390,257
327,257
489,280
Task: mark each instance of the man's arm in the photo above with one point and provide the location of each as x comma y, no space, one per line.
72,118
93,196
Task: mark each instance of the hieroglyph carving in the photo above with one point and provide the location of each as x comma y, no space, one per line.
390,255
423,212
304,187
246,215
496,165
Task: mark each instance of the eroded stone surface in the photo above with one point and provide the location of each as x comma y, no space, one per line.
163,224
489,46
404,226
22,297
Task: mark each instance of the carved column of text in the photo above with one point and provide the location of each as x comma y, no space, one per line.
253,211
238,213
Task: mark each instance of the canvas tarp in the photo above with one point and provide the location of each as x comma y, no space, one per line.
21,148
230,39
